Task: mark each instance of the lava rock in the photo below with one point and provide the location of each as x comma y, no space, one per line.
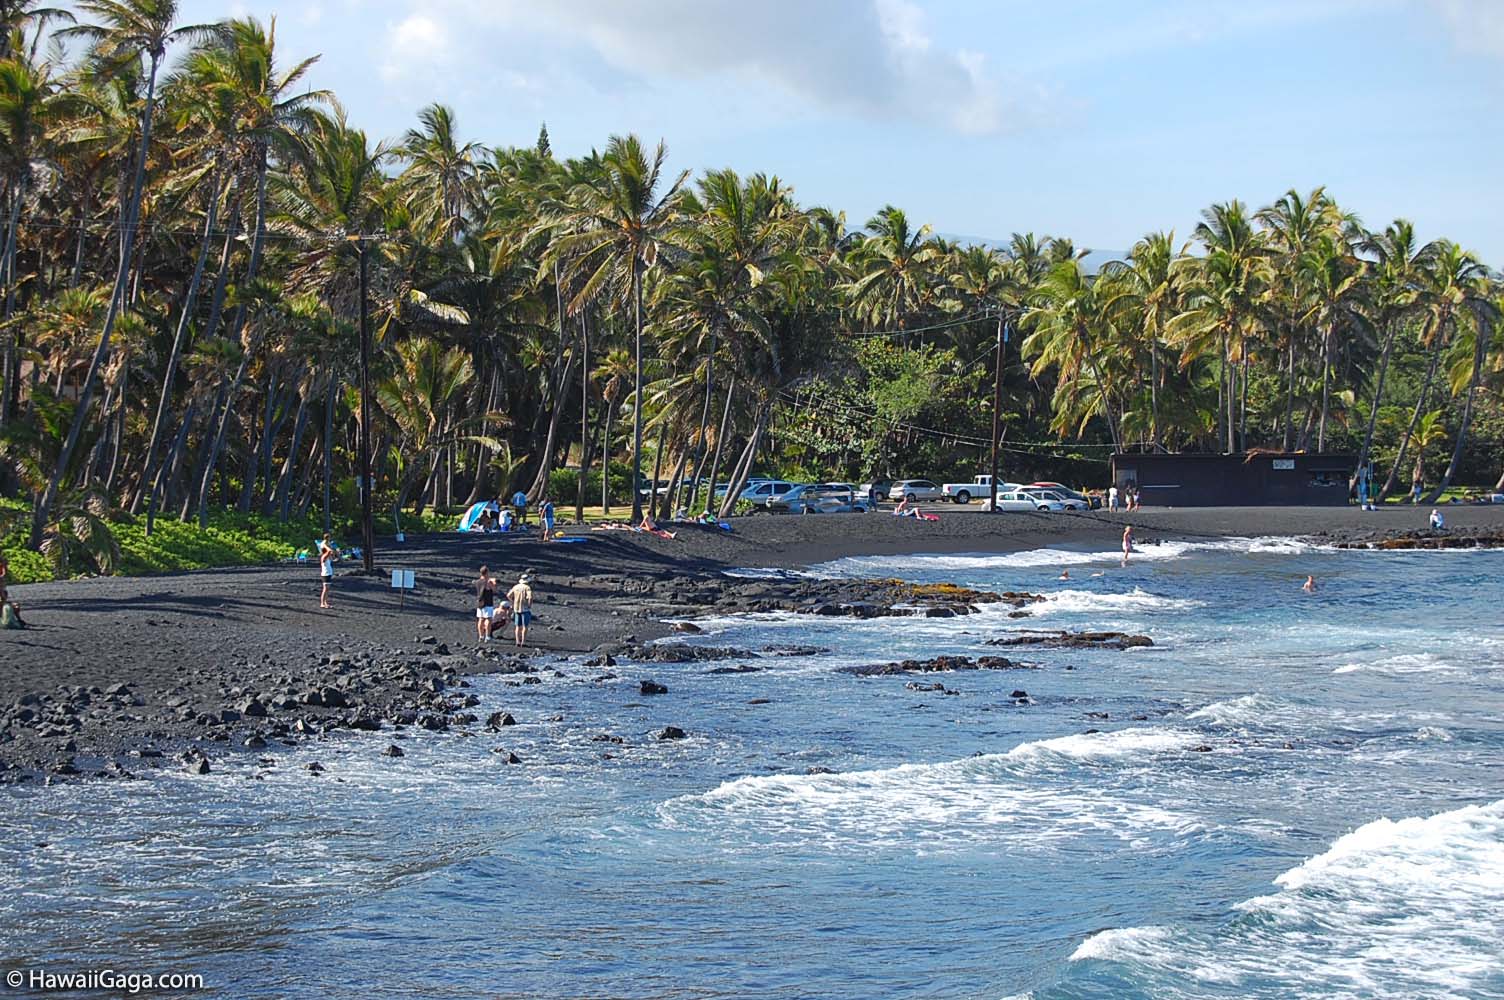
671,733
652,687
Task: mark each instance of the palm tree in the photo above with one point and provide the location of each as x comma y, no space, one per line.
1293,224
615,229
895,271
131,30
1224,298
1337,305
440,175
30,108
1483,313
1067,332
1453,284
1149,285
1397,272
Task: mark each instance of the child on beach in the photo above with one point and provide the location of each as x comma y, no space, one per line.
326,569
1127,543
1436,520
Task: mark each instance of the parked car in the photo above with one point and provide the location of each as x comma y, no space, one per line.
721,488
1066,502
979,488
761,493
915,489
1091,502
819,498
878,489
1020,500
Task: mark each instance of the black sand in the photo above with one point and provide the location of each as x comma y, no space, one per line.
113,668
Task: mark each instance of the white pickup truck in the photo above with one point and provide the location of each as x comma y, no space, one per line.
979,488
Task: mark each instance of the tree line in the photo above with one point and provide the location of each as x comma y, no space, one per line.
184,227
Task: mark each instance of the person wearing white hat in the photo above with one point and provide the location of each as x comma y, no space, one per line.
521,599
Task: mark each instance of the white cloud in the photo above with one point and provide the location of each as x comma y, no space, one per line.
874,58
416,44
1477,25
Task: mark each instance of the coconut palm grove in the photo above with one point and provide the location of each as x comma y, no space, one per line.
192,235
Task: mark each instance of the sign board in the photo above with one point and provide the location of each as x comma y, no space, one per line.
1284,464
402,579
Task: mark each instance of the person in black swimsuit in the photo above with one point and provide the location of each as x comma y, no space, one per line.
485,604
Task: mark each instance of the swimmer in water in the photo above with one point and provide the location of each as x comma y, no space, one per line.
1310,585
1065,574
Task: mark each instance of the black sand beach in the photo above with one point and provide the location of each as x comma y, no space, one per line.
117,675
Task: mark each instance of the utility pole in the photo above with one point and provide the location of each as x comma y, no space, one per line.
367,529
997,410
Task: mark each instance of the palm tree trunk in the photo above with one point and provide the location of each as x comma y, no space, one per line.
749,458
715,459
170,370
86,395
1420,406
657,463
167,463
11,383
666,509
606,459
219,438
1290,397
579,490
1378,397
694,484
279,500
1326,390
328,448
546,464
637,393
1480,355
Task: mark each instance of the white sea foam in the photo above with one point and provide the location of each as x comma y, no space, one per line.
1396,908
1102,747
1136,600
1250,709
1399,664
921,806
861,566
1121,942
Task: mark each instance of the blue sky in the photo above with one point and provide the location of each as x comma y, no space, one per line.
1090,119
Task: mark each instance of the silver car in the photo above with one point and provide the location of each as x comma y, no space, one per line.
1020,500
916,489
1065,502
819,498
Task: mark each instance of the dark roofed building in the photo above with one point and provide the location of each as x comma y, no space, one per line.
1259,478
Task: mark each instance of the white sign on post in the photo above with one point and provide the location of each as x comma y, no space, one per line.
402,582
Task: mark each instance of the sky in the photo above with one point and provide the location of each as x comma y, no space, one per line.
1096,120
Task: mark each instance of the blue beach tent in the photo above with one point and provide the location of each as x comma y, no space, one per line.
473,514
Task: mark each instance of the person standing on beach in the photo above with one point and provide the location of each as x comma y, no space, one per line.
485,604
546,515
1127,543
10,612
521,599
326,569
519,507
1112,498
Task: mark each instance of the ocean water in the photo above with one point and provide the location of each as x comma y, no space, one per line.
1289,795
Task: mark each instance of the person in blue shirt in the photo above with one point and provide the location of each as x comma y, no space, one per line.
546,515
519,506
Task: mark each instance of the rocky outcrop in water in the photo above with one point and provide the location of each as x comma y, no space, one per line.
1447,538
1073,640
938,664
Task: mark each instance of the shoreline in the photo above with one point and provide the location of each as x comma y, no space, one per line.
119,676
